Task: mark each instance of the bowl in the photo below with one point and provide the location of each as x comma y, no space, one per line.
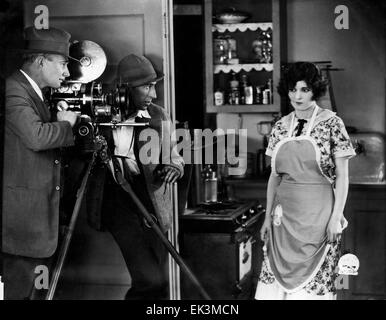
231,15
231,19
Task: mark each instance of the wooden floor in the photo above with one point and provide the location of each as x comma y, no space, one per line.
94,268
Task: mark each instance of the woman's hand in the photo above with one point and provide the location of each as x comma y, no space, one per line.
334,228
264,229
337,222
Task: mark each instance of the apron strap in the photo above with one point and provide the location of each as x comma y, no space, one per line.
311,124
292,125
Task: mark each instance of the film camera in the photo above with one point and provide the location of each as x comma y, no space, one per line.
96,106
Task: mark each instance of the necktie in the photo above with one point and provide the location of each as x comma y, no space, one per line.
300,127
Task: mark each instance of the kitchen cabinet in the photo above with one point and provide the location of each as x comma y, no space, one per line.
365,237
265,15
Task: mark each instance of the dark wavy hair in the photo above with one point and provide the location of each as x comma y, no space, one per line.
303,71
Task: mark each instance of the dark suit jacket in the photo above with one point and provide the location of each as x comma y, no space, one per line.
31,171
158,193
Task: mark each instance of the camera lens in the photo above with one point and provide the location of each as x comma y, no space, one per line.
83,131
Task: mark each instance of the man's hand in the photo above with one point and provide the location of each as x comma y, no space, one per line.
169,174
62,105
69,116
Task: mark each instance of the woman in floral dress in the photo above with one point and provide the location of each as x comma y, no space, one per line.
306,193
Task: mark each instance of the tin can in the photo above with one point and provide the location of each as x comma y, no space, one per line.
266,96
248,93
218,98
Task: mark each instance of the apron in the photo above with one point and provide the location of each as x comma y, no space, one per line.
297,240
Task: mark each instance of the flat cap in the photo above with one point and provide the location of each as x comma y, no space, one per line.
136,70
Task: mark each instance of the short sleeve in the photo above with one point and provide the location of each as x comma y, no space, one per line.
341,145
273,139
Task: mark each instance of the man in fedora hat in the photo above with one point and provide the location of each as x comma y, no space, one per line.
143,251
31,180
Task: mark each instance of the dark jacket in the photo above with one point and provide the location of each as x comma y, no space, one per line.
31,176
158,192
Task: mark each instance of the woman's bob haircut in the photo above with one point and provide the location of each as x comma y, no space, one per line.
303,71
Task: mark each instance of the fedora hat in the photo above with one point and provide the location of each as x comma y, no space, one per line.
136,70
50,40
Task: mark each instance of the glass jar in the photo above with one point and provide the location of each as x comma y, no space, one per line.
232,47
220,50
210,185
262,47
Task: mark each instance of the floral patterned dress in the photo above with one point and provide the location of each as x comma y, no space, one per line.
333,141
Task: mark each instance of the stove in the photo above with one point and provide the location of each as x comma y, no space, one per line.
225,216
220,242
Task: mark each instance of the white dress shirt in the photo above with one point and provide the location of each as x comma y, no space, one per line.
124,143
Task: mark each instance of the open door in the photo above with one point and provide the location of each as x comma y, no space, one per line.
120,27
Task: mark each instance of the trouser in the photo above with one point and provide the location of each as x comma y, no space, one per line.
142,249
19,275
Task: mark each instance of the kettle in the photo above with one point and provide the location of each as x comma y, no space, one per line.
210,184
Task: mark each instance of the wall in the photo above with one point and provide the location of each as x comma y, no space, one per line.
360,51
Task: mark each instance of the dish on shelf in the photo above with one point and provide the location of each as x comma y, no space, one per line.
232,15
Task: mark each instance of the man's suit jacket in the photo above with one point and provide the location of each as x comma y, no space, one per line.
31,179
158,192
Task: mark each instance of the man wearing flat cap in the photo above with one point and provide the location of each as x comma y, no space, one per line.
142,249
31,180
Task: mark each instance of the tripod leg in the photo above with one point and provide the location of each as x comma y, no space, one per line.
68,234
126,186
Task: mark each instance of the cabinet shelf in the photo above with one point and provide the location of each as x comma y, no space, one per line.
245,108
242,27
226,68
271,14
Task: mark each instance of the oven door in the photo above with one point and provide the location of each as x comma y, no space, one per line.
226,264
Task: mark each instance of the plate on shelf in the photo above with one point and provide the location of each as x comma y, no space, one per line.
231,19
232,15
